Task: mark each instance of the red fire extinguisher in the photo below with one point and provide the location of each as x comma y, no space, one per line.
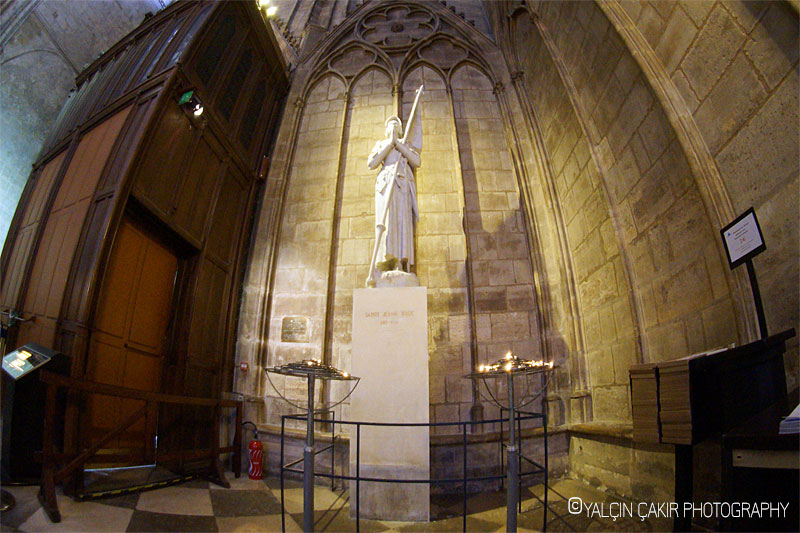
255,451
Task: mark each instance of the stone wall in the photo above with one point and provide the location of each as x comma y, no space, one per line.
506,315
659,122
643,472
670,249
600,272
296,15
371,104
573,183
322,241
43,47
472,12
733,68
441,249
303,257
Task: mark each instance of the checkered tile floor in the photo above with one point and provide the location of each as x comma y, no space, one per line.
255,506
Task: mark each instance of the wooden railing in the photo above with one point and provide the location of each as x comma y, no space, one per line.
71,464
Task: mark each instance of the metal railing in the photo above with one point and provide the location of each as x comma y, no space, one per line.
464,479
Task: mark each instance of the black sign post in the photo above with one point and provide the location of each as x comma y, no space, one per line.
743,241
23,408
7,500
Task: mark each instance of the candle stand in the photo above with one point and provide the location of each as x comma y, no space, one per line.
312,370
508,368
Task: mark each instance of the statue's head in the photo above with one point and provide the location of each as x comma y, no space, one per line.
394,122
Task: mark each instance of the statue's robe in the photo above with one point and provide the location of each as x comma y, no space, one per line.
398,238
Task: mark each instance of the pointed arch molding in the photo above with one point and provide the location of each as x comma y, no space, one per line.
396,37
348,54
568,304
719,206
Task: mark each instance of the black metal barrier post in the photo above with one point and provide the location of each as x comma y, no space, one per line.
308,462
283,511
512,486
546,462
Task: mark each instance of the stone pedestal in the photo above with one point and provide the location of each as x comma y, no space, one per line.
390,355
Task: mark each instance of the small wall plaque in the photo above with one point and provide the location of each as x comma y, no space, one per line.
295,329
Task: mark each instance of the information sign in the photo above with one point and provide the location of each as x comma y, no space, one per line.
25,359
742,238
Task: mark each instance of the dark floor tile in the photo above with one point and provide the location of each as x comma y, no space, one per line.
450,524
450,506
486,502
275,483
244,503
338,519
196,483
533,519
444,506
147,521
126,501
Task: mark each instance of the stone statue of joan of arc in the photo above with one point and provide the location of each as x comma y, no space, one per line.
396,211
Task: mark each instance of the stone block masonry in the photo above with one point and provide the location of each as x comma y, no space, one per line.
301,273
734,66
441,249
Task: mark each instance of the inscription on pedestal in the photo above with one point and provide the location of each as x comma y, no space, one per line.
390,355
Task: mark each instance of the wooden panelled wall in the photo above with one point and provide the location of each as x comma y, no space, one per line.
125,153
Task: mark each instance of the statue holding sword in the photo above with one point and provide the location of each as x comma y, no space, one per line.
396,211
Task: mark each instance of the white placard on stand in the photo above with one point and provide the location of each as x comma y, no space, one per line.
742,238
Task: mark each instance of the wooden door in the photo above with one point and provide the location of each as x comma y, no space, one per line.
130,327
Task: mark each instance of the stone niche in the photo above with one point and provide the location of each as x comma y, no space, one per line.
317,220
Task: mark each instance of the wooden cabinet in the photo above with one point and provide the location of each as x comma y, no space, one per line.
179,177
130,184
193,205
156,180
